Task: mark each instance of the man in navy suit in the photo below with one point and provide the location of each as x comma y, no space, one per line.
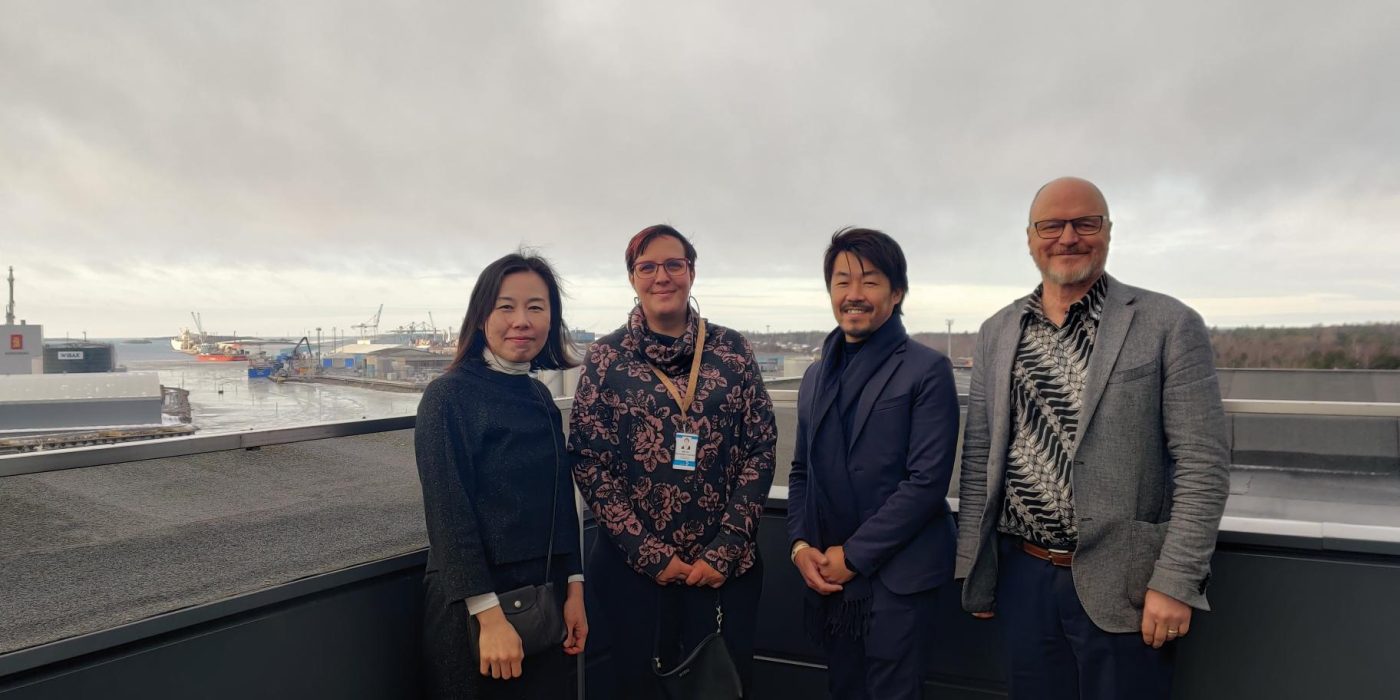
877,429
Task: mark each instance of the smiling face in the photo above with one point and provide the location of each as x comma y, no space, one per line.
861,297
1070,259
664,296
518,325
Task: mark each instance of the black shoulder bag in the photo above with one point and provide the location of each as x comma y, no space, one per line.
534,610
706,673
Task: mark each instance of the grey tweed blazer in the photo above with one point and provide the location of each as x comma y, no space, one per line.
1150,468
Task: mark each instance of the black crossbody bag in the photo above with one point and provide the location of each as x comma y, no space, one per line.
706,673
534,610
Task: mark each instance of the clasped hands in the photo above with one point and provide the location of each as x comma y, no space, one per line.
699,573
823,572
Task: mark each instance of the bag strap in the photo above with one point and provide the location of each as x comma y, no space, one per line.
656,631
554,500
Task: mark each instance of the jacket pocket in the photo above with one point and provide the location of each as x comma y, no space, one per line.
1128,375
1146,539
901,401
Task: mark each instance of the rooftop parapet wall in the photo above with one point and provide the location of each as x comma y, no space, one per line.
1378,386
44,402
1356,444
148,535
102,536
37,388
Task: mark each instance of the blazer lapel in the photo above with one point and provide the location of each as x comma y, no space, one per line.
872,391
821,402
821,399
807,399
1113,330
999,401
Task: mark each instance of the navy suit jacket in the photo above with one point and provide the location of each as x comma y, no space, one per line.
900,457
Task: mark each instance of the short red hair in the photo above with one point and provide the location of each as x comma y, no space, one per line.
639,243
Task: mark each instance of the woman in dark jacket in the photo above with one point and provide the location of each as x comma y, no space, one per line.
672,435
492,462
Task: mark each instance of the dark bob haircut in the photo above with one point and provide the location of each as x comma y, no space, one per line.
471,342
875,248
644,238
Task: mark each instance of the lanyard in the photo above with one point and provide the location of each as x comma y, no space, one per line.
694,374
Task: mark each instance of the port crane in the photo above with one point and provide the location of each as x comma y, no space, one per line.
10,307
297,361
298,353
371,326
199,326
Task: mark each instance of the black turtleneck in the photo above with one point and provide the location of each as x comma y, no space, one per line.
490,452
848,352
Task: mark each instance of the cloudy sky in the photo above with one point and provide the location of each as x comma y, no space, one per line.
279,166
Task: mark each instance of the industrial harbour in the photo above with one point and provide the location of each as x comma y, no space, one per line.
224,399
58,393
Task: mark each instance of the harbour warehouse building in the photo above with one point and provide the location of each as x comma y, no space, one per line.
288,564
384,361
21,349
38,395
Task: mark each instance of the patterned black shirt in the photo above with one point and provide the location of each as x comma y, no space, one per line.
1047,383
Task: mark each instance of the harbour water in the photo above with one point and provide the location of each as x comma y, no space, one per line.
223,399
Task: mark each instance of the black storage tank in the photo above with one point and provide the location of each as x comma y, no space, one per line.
79,356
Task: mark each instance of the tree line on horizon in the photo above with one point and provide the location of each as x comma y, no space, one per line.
1346,346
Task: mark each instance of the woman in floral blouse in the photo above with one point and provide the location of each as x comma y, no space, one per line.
674,453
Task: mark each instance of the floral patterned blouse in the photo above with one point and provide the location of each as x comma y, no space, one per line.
622,433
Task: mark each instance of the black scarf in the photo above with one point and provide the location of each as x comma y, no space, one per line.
836,514
641,339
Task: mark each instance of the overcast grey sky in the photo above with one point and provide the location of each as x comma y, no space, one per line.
283,165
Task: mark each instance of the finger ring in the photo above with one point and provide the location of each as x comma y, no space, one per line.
1171,632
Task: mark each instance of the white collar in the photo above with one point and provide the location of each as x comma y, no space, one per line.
504,366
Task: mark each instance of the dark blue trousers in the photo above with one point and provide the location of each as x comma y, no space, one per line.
632,606
888,663
1055,652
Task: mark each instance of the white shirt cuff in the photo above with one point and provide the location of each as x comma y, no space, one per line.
478,604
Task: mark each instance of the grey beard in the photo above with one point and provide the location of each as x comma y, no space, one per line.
1071,278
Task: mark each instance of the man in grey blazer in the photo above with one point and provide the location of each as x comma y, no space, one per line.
1094,468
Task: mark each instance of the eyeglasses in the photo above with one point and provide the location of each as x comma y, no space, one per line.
1084,226
674,266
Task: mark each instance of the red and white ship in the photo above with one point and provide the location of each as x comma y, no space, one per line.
221,356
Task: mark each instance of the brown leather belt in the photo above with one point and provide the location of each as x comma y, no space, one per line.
1058,558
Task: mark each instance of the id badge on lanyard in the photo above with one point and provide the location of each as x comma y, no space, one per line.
684,457
686,446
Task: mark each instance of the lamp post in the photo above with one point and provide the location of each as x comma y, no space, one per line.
950,339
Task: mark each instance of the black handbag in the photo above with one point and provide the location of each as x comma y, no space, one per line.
706,673
534,610
534,613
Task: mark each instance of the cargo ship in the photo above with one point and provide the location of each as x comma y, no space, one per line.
191,343
211,353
